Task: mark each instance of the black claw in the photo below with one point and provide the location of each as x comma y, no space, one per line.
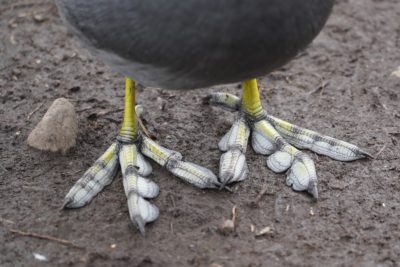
229,189
313,189
140,224
366,155
225,182
206,100
66,203
222,186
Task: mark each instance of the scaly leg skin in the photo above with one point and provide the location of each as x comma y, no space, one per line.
128,150
276,139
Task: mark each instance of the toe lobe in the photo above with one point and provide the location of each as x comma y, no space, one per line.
94,179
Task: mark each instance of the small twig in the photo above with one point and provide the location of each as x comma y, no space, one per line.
6,221
171,197
106,112
34,188
380,151
45,237
85,109
320,88
234,215
145,131
78,171
259,196
34,111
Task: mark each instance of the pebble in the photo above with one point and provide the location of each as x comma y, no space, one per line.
58,129
227,227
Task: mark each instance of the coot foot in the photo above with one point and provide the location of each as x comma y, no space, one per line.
276,139
129,150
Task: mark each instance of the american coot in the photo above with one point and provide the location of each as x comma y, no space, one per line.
192,44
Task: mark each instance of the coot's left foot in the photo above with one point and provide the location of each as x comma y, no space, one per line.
276,139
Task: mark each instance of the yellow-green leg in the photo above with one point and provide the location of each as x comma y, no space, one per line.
274,137
129,131
128,150
251,103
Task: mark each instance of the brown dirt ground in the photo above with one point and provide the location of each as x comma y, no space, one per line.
355,221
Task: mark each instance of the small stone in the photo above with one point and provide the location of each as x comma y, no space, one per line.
227,227
12,40
38,18
312,212
214,264
40,257
58,129
264,231
396,72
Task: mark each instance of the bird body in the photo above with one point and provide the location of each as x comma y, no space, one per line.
191,44
195,43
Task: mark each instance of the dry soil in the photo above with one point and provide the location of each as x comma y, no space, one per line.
354,223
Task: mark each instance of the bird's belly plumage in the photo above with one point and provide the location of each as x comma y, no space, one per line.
195,43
